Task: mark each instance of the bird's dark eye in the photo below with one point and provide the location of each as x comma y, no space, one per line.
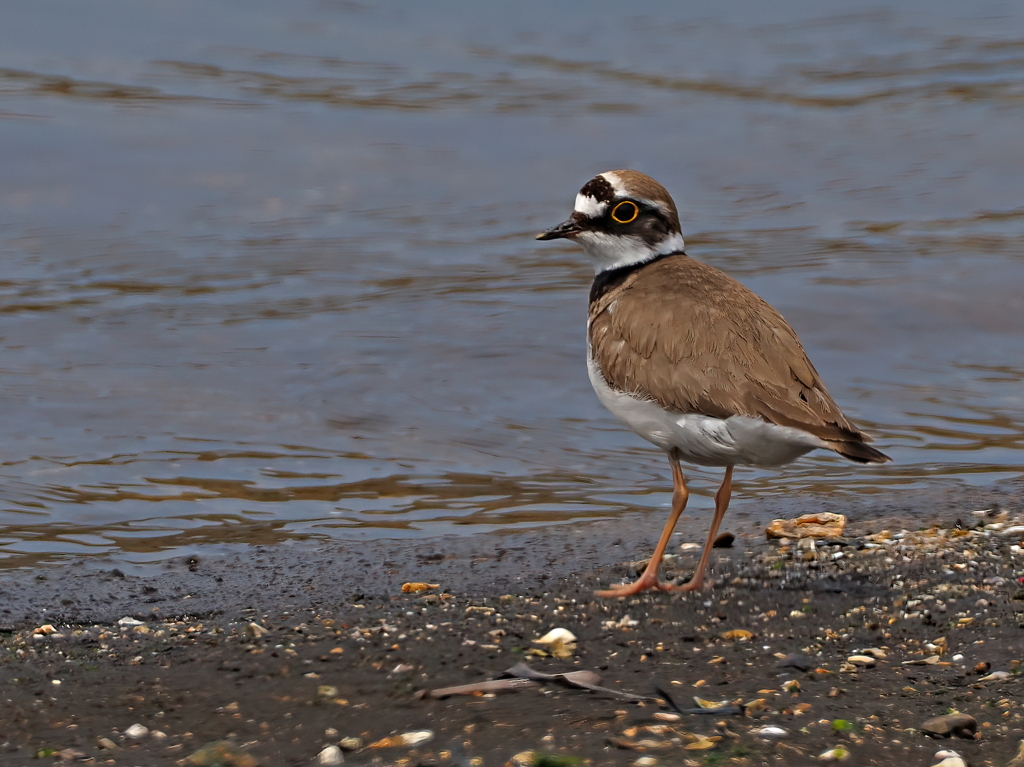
625,212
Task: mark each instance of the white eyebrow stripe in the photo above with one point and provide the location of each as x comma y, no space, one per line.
589,207
653,204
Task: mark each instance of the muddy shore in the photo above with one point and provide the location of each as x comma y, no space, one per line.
289,649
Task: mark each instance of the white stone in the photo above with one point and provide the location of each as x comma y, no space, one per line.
769,732
862,660
949,759
996,675
330,756
874,652
416,738
255,630
557,636
127,621
137,731
837,754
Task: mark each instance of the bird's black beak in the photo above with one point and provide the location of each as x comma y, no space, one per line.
566,229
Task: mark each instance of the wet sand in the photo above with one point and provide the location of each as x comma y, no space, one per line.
340,651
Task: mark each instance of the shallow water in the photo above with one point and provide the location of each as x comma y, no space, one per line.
268,271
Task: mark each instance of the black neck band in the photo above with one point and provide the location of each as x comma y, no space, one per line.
612,278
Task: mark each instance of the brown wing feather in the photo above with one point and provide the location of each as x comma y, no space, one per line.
694,340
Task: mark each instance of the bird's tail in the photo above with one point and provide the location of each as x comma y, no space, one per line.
861,452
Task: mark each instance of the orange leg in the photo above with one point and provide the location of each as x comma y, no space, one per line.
721,504
649,578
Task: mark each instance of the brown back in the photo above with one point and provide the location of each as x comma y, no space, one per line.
694,340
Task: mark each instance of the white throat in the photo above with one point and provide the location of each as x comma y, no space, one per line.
614,251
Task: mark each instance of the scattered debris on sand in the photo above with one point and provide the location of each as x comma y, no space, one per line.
856,650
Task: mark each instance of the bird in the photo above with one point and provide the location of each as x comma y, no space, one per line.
689,358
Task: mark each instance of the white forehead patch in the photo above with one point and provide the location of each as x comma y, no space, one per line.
612,178
589,207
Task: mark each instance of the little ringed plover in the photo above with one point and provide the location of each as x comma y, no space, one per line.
690,359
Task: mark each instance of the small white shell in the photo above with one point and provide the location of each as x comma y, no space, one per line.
559,636
416,737
137,731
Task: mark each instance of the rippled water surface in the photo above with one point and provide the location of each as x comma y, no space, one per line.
268,269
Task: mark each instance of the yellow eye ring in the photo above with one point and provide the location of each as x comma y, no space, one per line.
625,212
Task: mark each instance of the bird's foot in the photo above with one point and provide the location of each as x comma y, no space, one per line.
694,584
643,583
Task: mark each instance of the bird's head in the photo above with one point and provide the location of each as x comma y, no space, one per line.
621,218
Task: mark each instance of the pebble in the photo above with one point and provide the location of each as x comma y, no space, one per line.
416,587
416,738
996,675
931,660
689,546
625,622
724,541
220,753
738,635
561,643
961,725
126,621
330,756
1018,760
1013,530
556,635
862,660
837,754
769,732
255,631
874,652
797,661
949,759
821,525
137,731
645,761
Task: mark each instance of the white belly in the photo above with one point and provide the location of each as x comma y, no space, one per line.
703,439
